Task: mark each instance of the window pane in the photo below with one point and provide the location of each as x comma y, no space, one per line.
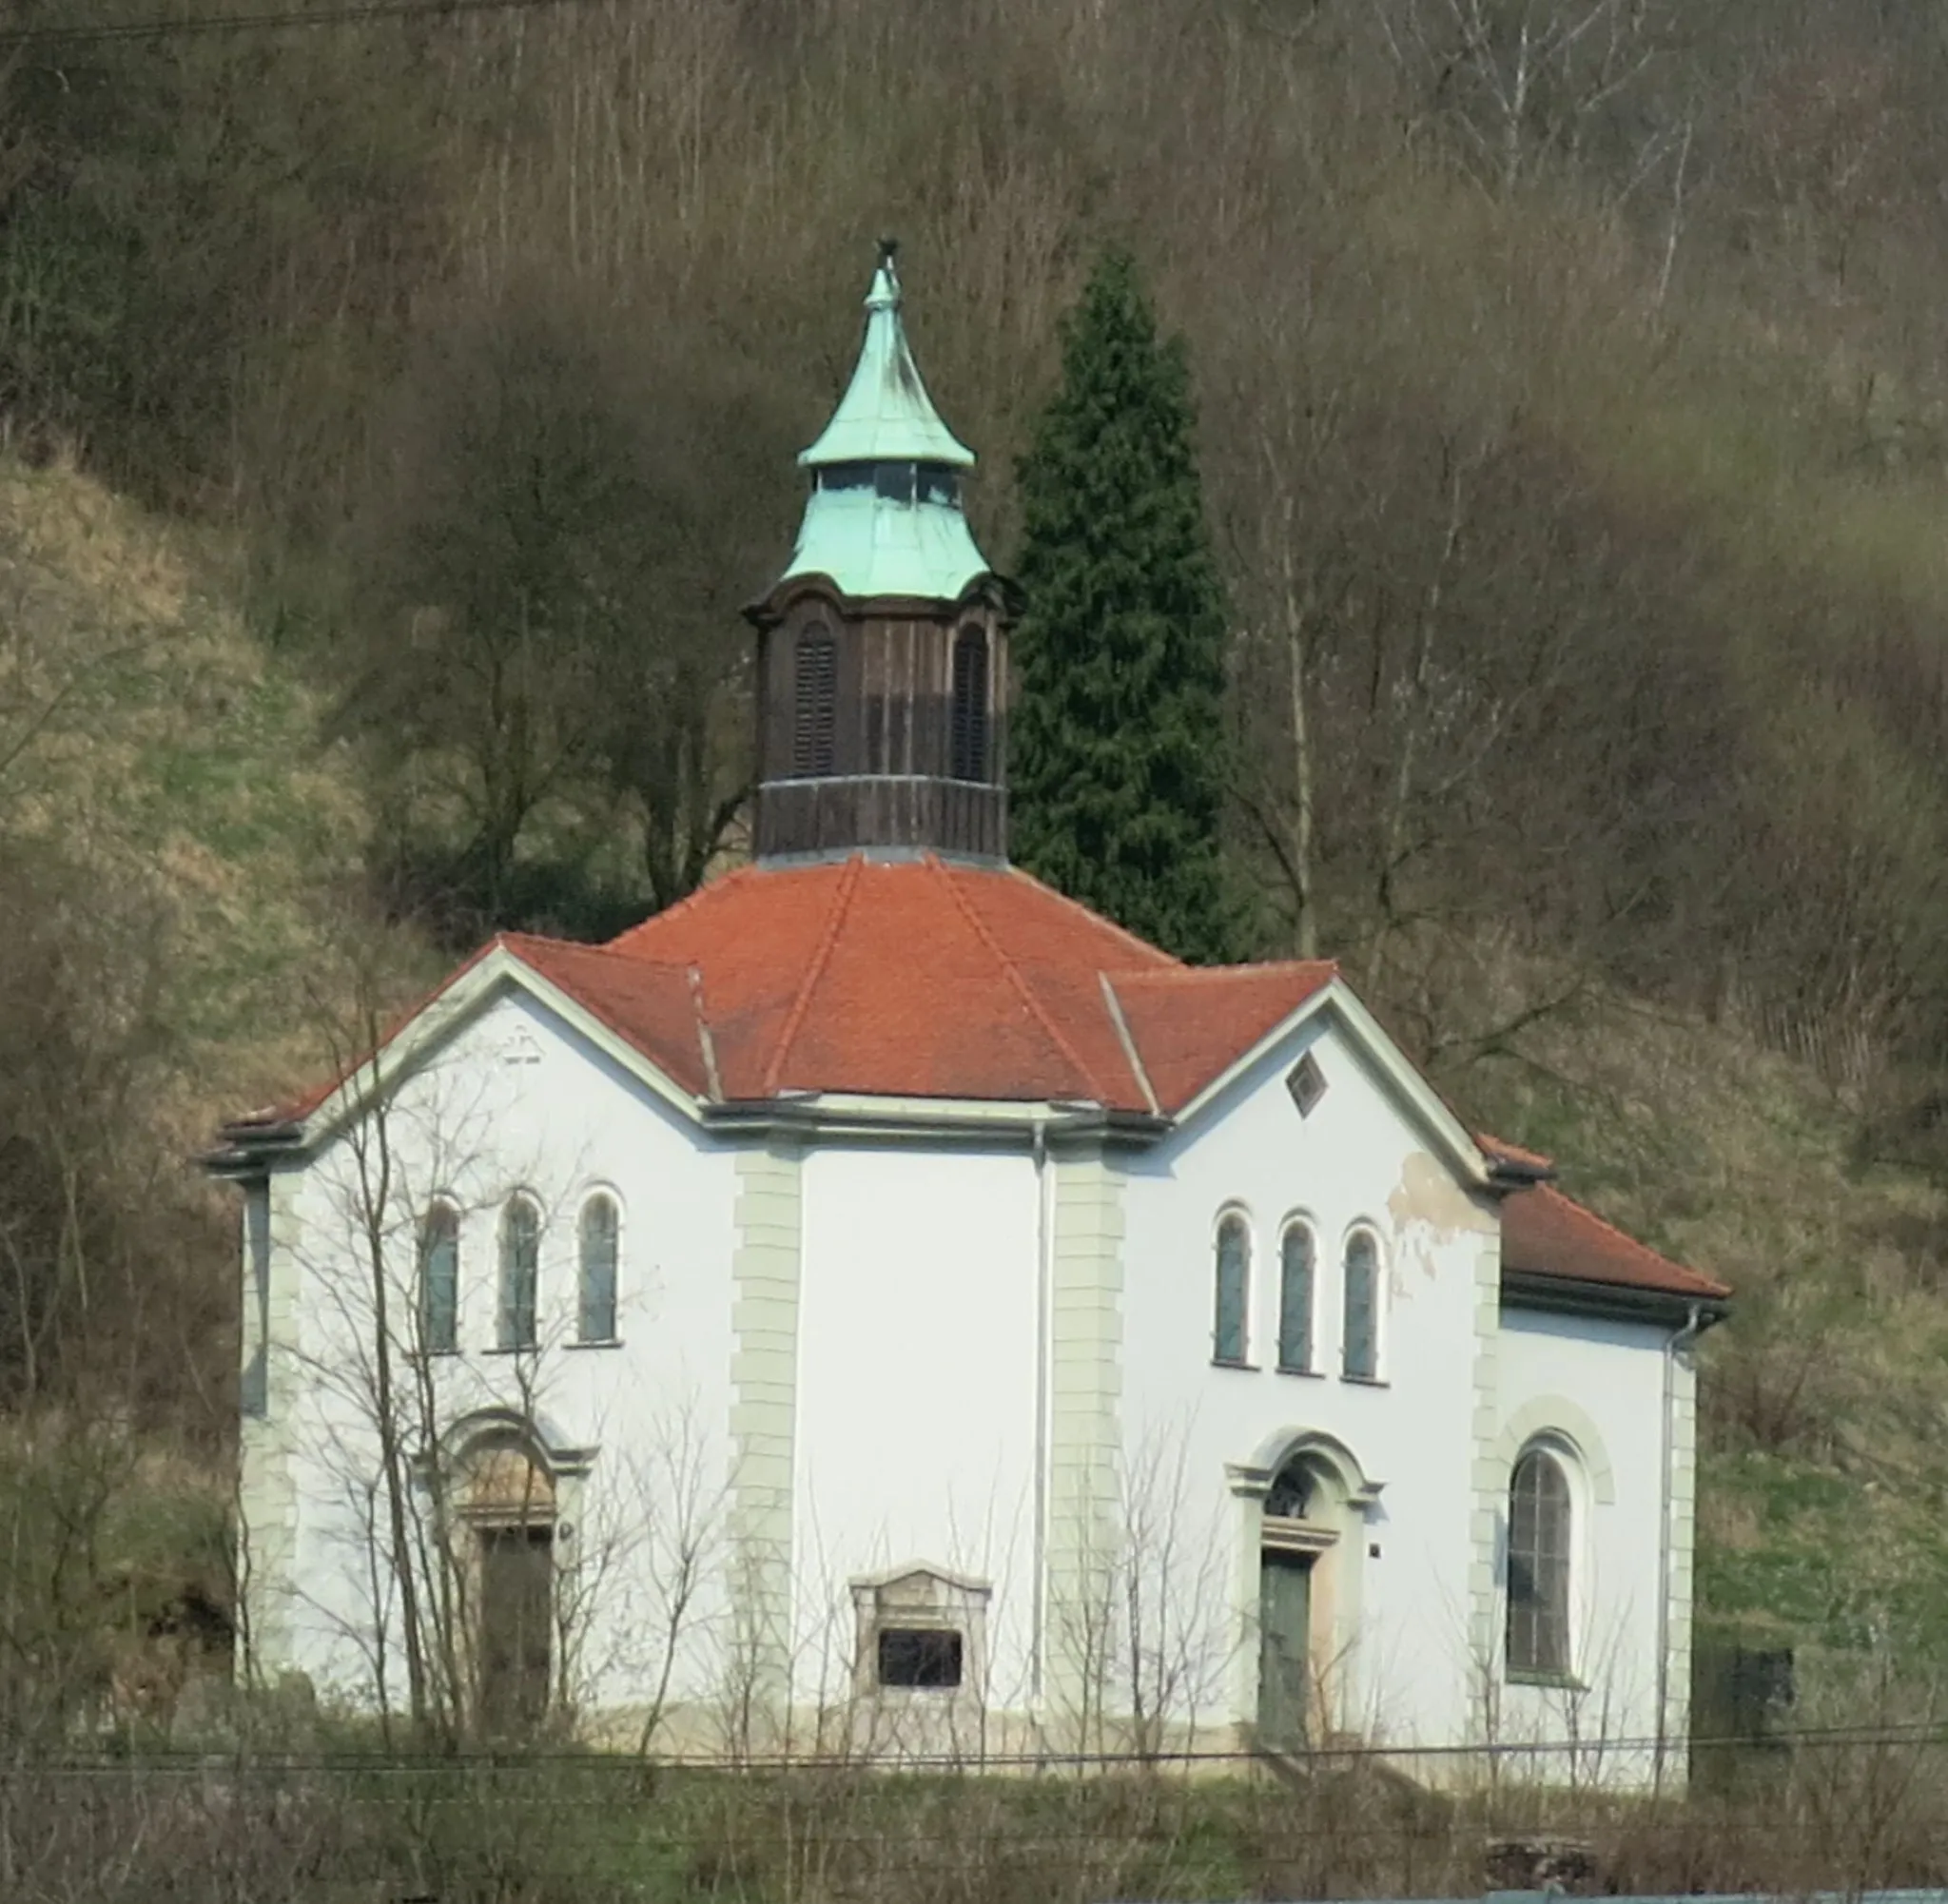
601,1226
1291,1492
845,475
919,1656
1296,1299
1361,1347
520,1264
1228,1342
1539,1534
439,1282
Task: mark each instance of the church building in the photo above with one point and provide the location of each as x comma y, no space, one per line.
878,1305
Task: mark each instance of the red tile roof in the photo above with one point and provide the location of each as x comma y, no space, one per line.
918,978
1544,1232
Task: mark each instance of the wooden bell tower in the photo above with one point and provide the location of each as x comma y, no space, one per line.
883,664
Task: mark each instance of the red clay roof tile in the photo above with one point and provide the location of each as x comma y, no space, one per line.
1544,1232
1182,1020
917,979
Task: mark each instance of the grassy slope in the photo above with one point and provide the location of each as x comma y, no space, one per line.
181,763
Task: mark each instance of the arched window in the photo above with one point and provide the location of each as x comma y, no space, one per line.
1539,1537
439,1280
1296,1299
1233,1279
520,1273
1360,1346
1291,1494
969,725
815,701
602,1229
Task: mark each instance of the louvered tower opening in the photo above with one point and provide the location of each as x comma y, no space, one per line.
816,704
969,748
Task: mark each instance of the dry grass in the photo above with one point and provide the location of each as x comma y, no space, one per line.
531,1833
146,732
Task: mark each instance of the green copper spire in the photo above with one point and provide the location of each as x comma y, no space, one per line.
885,415
883,517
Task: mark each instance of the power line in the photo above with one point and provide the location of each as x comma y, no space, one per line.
1921,1734
22,38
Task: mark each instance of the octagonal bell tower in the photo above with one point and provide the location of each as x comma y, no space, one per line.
883,665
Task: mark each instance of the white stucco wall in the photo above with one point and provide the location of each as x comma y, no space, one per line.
517,1100
1356,1159
865,1354
1594,1389
918,1343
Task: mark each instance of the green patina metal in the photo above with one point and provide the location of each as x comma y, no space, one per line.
884,516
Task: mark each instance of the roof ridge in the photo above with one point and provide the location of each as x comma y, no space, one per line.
1095,917
841,901
515,941
1013,972
694,897
1637,1243
1248,965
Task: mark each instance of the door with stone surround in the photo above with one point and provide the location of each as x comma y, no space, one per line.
1285,1648
517,1626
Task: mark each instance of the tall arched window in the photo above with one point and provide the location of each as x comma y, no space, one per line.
1228,1340
815,706
969,723
1296,1299
520,1273
439,1280
1539,1547
1360,1346
601,1230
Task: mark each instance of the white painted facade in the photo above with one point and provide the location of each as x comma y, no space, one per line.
945,1368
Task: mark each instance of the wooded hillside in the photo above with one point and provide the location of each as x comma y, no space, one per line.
402,407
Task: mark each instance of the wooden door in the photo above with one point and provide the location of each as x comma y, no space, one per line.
517,1626
1285,1648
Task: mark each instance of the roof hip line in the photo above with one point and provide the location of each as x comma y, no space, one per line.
842,900
1012,973
1129,1042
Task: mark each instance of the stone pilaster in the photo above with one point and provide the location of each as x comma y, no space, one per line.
1489,1476
1086,1395
268,1466
765,1273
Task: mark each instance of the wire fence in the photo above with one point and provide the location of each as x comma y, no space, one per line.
1821,1809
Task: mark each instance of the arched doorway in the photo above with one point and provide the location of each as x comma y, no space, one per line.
506,1503
1292,1543
1306,1503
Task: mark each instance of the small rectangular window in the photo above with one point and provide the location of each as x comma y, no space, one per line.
926,1657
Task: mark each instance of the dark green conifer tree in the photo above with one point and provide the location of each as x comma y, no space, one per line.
1119,752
